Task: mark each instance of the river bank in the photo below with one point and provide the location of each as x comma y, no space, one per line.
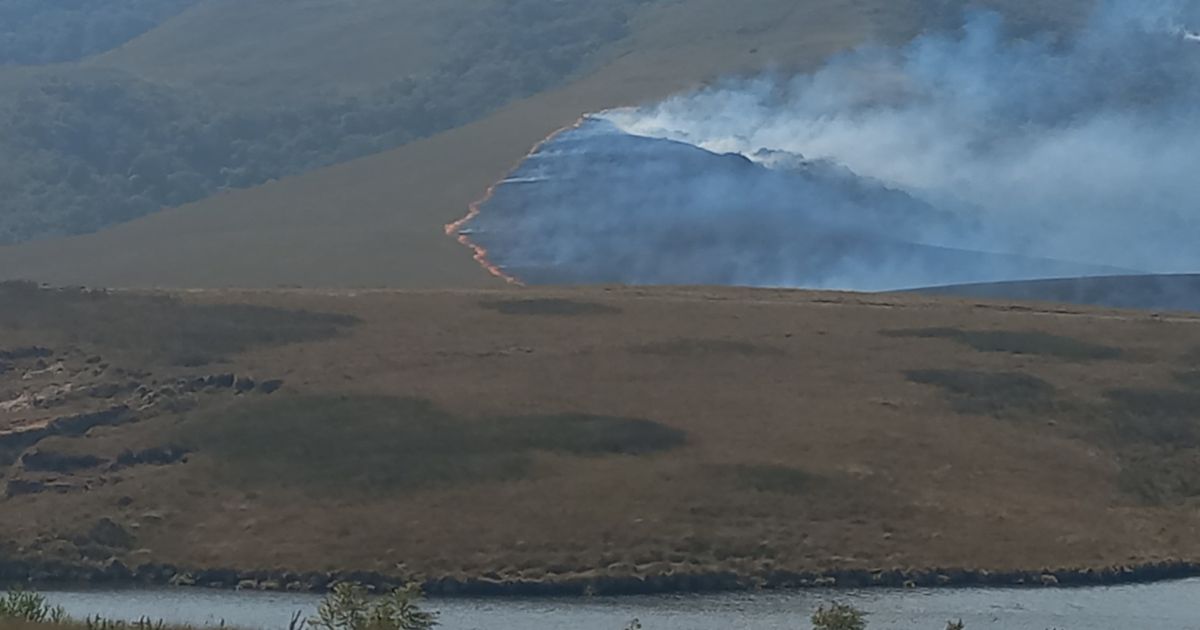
1163,606
115,573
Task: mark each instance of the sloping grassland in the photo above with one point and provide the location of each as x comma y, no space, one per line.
557,435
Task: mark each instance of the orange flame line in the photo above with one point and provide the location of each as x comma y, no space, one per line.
480,254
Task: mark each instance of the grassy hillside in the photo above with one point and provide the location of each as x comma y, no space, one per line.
198,106
377,221
550,435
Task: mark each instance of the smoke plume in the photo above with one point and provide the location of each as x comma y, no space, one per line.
960,157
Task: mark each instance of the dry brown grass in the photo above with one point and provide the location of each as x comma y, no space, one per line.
819,452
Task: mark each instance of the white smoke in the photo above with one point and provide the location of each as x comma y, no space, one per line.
1084,148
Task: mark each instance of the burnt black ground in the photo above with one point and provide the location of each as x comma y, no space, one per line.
1171,292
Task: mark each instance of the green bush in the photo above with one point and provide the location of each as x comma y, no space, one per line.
347,607
839,617
20,605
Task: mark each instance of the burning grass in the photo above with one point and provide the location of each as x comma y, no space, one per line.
379,444
157,328
559,307
1017,342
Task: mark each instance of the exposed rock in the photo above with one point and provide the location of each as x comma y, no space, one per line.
182,578
271,386
244,384
153,516
42,369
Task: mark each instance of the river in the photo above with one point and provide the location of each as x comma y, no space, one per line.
1161,606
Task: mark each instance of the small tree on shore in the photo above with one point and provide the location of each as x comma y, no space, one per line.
20,605
348,607
839,617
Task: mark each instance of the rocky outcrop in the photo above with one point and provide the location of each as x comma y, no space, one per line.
73,425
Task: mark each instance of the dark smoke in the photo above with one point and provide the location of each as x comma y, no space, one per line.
959,158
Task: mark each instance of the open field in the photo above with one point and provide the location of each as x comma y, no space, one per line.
377,221
553,434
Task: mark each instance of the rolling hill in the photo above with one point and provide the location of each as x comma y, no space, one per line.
376,221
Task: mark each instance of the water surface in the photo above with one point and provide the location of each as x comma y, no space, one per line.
1162,606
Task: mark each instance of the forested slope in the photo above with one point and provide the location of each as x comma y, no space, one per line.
124,135
49,31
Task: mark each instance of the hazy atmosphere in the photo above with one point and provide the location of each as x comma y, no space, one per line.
616,315
1049,150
